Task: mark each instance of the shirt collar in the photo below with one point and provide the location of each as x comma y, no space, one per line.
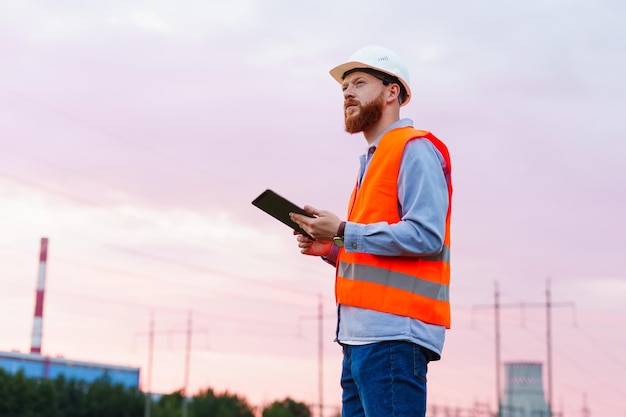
394,125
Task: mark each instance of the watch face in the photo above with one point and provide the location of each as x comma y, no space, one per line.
337,240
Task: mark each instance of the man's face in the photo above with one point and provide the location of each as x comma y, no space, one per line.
363,101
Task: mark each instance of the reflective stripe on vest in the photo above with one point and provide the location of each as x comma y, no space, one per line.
398,280
417,286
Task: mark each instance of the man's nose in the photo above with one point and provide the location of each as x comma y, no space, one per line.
348,92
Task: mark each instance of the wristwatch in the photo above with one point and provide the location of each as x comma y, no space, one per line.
338,239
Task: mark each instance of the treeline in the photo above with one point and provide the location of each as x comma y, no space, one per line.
28,397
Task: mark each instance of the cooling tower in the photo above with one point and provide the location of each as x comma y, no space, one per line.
523,392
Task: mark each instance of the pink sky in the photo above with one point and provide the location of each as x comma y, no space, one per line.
134,136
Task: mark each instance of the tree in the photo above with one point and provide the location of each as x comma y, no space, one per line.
208,404
21,396
47,403
169,405
287,408
18,395
106,399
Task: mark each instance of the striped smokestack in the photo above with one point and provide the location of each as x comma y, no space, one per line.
35,344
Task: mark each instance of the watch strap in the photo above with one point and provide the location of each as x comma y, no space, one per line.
342,229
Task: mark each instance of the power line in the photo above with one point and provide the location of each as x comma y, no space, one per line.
124,139
497,306
141,254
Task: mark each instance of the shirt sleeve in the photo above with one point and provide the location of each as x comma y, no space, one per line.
422,204
332,256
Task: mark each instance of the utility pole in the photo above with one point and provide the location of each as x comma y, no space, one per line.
187,361
188,331
585,411
149,370
549,345
496,310
320,350
548,305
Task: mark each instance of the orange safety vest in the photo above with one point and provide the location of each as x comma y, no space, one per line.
412,286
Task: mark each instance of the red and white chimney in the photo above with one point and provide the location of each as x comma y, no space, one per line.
35,344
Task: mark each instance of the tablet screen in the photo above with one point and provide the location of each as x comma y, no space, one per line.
279,208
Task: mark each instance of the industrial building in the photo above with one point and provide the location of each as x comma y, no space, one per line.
36,365
523,394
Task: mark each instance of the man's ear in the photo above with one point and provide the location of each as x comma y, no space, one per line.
393,92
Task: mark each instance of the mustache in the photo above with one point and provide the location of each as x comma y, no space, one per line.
350,102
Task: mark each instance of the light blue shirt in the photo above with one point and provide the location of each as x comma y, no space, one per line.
423,204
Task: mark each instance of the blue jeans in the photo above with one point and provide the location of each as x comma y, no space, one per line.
384,379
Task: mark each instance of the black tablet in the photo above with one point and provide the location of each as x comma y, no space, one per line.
279,208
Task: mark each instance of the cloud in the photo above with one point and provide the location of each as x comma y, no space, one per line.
137,133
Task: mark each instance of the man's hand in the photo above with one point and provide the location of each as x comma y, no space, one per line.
312,247
322,227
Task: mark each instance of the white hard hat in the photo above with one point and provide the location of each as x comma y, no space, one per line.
377,58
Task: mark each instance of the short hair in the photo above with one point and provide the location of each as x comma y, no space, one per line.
384,77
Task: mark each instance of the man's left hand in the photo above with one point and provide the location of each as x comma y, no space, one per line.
323,227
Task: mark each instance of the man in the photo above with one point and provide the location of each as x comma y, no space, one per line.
392,253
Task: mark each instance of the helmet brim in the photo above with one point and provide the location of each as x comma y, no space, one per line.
338,72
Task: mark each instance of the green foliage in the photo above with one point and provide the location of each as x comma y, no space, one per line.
33,397
169,405
208,404
287,408
21,396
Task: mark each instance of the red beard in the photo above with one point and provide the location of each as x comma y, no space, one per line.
367,114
